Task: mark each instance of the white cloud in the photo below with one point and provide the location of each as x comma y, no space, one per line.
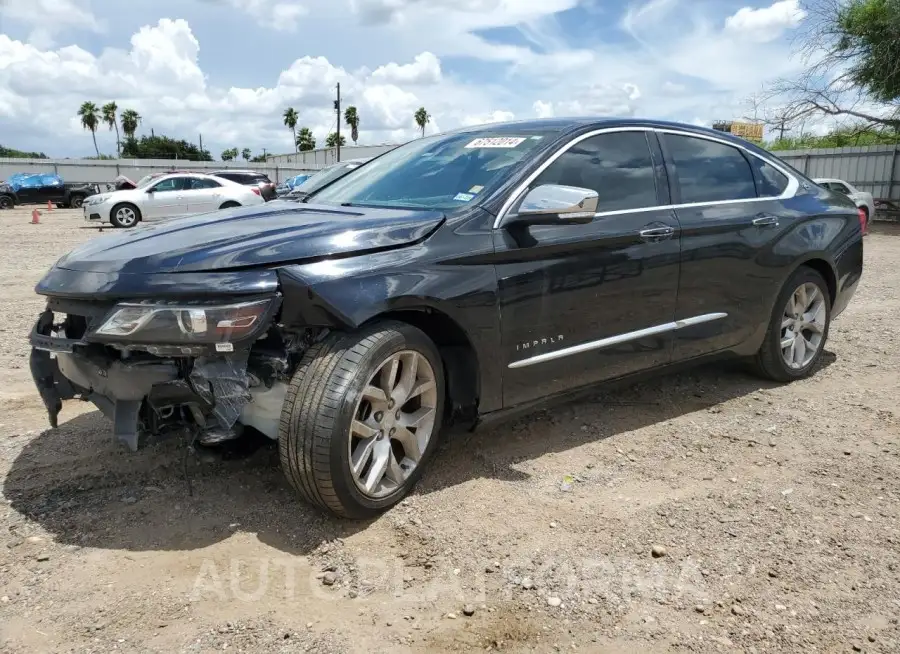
160,77
50,17
273,14
596,100
425,69
498,116
766,23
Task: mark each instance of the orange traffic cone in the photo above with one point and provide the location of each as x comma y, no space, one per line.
35,217
49,206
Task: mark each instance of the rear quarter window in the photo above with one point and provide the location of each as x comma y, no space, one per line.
709,171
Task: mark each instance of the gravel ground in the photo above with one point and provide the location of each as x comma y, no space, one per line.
700,512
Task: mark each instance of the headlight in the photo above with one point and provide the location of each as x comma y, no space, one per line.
185,322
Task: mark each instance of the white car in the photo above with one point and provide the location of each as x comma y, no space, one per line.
168,196
862,199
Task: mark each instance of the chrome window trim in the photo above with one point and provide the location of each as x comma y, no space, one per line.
789,191
618,339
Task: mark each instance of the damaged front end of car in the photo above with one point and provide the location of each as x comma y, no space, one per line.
156,368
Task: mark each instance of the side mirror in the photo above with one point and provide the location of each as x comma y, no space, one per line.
554,204
151,190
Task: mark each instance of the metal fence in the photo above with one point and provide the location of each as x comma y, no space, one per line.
872,168
325,156
106,170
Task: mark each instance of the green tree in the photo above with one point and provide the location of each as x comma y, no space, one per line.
112,120
869,39
260,158
351,117
290,121
332,140
305,140
230,154
19,154
245,153
130,121
162,147
854,50
422,118
90,119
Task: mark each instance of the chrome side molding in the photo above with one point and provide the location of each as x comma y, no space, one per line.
618,339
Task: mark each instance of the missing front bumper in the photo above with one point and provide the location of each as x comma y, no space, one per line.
141,396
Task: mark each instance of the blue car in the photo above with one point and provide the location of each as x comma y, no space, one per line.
288,185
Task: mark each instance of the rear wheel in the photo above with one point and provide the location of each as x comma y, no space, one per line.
361,418
125,215
798,328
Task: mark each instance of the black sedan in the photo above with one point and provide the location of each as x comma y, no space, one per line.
455,280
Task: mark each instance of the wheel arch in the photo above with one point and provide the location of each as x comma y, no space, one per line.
824,268
459,356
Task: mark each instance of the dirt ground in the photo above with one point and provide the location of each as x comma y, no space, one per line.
773,510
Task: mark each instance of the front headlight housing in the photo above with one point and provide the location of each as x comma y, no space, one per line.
185,323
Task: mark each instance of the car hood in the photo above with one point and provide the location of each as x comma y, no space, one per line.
246,237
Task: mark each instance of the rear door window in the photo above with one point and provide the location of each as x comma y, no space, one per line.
709,171
618,166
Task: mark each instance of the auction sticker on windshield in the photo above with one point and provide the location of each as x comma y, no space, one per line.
496,142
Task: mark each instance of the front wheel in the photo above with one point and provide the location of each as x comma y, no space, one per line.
76,201
6,202
361,418
798,328
125,215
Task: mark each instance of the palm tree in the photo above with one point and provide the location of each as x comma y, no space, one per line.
245,153
90,118
130,120
422,118
290,121
332,140
109,117
305,140
351,117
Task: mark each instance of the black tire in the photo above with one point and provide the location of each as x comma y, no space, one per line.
6,202
114,219
313,436
230,204
76,201
768,362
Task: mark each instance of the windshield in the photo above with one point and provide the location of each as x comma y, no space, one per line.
437,172
146,179
325,176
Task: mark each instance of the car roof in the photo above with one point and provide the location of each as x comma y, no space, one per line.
585,123
239,172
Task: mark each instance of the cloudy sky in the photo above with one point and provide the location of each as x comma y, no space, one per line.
226,69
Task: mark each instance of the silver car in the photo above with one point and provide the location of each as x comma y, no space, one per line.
168,196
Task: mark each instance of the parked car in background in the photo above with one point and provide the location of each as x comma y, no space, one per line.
250,178
168,196
324,177
287,185
455,280
862,199
38,188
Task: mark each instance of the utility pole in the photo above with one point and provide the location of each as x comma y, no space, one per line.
337,110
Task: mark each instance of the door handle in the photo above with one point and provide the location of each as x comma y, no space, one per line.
765,220
655,234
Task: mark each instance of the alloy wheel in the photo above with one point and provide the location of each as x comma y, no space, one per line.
126,216
803,326
393,423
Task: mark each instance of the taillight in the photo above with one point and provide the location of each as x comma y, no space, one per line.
863,222
255,189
